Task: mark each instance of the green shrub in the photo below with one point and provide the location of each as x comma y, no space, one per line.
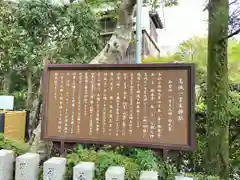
18,147
134,161
202,177
106,158
138,161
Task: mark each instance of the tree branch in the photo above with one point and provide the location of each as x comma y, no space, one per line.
233,2
233,34
207,5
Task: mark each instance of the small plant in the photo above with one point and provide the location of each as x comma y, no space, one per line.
202,177
18,147
134,161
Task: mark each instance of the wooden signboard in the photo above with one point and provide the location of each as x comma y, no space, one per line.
137,105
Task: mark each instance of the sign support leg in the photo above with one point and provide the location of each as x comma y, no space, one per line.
165,154
62,147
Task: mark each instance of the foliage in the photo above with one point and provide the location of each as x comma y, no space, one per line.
202,177
195,50
234,142
136,162
70,31
167,59
80,42
234,130
18,147
216,153
155,4
33,30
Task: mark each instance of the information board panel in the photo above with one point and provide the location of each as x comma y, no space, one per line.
138,105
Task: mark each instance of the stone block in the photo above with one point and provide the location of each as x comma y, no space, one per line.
27,167
149,175
54,168
115,173
6,164
84,171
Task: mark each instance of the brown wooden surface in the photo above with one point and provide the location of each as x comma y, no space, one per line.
73,105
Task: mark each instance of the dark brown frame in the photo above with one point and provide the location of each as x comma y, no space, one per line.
163,66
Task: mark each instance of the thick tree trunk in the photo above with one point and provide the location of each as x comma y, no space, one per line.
217,148
7,81
112,53
36,144
117,46
29,93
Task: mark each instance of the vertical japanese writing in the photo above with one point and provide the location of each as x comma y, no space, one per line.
50,173
159,102
22,167
79,101
85,100
180,99
81,176
124,104
152,110
66,102
138,104
145,127
98,103
91,104
105,79
170,107
73,101
110,113
117,103
55,85
61,91
130,125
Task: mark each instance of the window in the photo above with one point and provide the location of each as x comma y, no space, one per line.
108,25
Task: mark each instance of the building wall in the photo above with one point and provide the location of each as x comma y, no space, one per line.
108,25
147,24
149,46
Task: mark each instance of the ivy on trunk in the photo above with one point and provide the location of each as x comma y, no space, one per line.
217,148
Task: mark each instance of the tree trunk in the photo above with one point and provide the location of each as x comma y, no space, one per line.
112,53
7,81
217,148
116,48
29,93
